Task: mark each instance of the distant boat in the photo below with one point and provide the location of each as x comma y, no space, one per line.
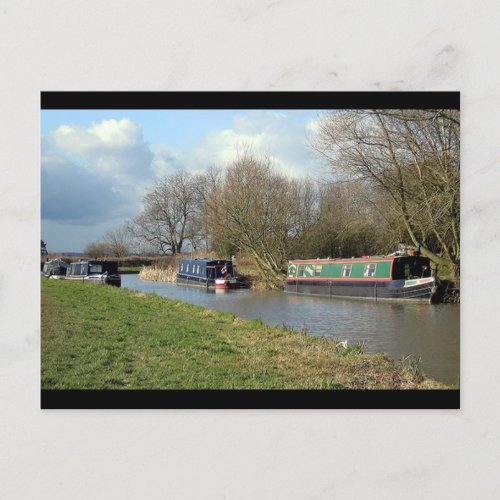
55,269
215,273
392,277
95,271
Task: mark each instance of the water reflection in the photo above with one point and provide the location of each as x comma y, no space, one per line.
428,331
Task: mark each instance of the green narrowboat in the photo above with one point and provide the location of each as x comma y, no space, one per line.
391,277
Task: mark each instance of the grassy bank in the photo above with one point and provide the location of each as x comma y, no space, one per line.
100,337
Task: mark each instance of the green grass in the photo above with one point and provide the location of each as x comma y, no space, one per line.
129,269
102,337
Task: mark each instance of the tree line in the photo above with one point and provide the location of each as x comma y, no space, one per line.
393,177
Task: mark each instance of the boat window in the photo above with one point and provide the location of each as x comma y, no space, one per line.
346,270
96,268
291,270
182,267
317,269
301,271
197,269
407,271
370,270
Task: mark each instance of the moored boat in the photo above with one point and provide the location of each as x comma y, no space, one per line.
103,272
210,273
55,269
391,277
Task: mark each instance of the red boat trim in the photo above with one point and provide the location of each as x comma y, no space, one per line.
373,260
225,285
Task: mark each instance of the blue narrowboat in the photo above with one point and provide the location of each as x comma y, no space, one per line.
218,273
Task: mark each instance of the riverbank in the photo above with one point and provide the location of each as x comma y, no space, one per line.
99,337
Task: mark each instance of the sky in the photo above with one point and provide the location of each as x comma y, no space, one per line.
97,165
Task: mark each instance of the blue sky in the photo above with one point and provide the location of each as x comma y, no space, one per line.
96,165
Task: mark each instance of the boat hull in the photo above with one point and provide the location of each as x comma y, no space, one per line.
219,284
226,284
418,290
98,279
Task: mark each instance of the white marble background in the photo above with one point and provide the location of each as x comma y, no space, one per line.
239,45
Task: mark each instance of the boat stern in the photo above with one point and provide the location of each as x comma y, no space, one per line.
225,283
422,288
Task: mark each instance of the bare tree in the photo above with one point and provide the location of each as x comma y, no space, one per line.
168,208
119,240
255,209
412,156
98,249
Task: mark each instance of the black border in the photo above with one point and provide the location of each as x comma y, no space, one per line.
249,399
250,100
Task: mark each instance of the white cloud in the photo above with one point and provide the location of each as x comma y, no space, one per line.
113,147
109,134
223,146
73,140
117,133
100,173
267,133
96,173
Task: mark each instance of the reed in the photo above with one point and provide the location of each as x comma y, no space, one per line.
413,366
156,273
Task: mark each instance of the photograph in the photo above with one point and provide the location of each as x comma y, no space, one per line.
250,249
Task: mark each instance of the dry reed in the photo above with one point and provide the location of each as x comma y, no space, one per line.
155,273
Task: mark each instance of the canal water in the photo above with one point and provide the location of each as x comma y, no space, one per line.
431,332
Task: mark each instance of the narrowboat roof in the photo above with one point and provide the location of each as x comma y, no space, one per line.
346,260
96,261
207,261
57,262
106,265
